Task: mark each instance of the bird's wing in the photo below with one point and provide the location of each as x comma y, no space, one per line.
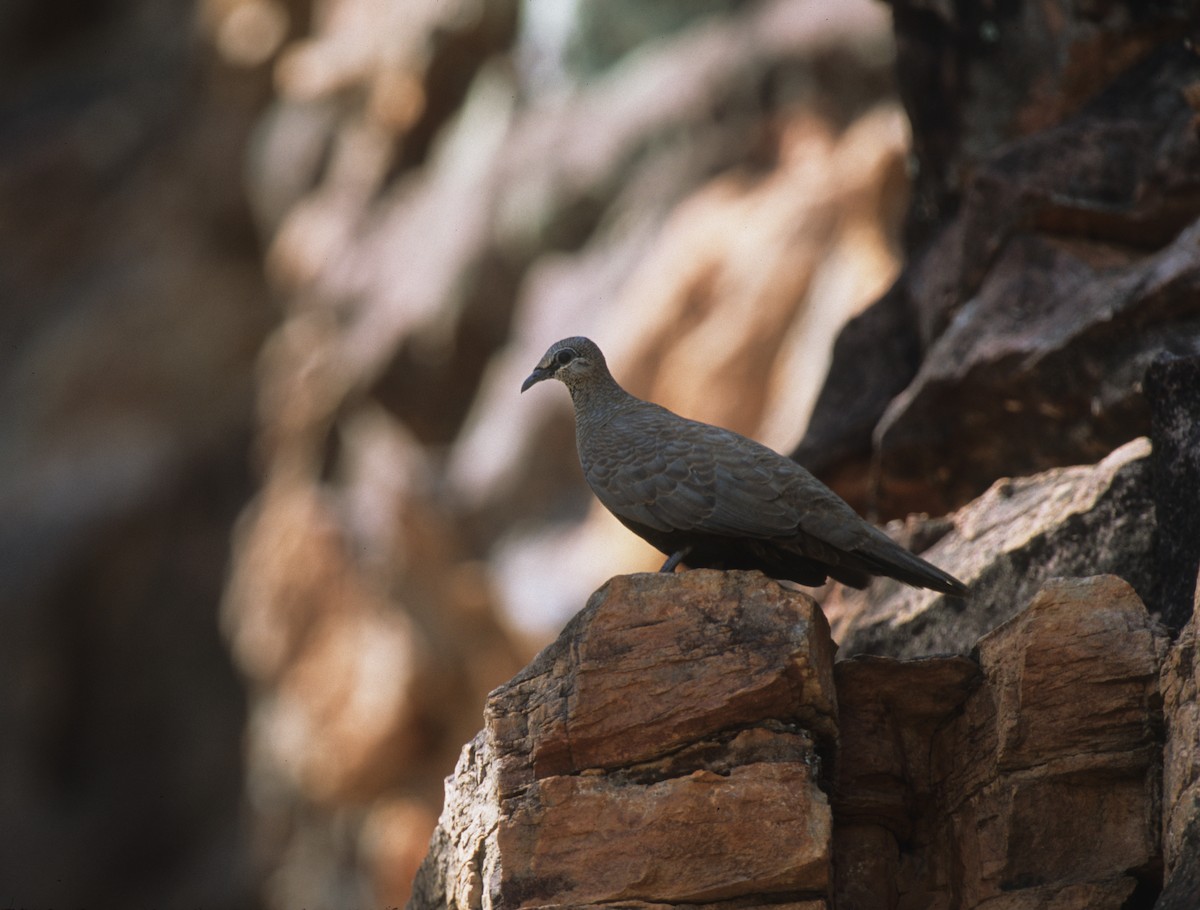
660,470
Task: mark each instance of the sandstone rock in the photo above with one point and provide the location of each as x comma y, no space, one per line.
1033,787
638,740
426,263
761,308
612,770
1050,785
368,643
1005,546
814,247
358,687
1181,768
394,842
606,32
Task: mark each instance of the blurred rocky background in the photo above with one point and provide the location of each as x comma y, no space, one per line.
272,271
132,311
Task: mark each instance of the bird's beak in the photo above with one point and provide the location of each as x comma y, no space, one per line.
536,376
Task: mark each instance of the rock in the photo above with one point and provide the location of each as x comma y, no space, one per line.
1065,369
762,308
1182,890
752,656
366,676
1005,546
1100,252
1180,684
1031,786
837,442
606,32
1051,784
816,243
975,78
888,715
359,686
463,858
697,837
673,747
394,842
723,198
638,740
1172,388
429,197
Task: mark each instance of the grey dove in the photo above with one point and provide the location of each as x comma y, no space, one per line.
708,497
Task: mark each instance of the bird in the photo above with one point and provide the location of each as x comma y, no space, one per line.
708,497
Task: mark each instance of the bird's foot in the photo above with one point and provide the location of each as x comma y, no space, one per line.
675,559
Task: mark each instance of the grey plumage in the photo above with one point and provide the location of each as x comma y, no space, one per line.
712,498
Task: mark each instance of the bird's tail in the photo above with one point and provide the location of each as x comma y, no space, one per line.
883,556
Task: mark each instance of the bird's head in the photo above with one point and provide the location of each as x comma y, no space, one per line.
572,361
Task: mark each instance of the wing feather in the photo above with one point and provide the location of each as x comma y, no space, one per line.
679,475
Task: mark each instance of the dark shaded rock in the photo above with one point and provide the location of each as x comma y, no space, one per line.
133,306
1071,264
974,77
1065,522
1075,264
1041,368
1172,386
837,444
888,714
1182,888
1180,685
1121,170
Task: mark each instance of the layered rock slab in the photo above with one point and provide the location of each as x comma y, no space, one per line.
676,745
1066,522
674,735
1028,781
1181,770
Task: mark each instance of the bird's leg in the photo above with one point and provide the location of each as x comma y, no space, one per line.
675,559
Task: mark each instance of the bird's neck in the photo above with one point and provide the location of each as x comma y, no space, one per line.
598,402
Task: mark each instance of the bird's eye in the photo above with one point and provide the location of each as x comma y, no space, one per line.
562,358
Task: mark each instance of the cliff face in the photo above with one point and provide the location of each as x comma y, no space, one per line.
1051,763
271,272
711,208
689,740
